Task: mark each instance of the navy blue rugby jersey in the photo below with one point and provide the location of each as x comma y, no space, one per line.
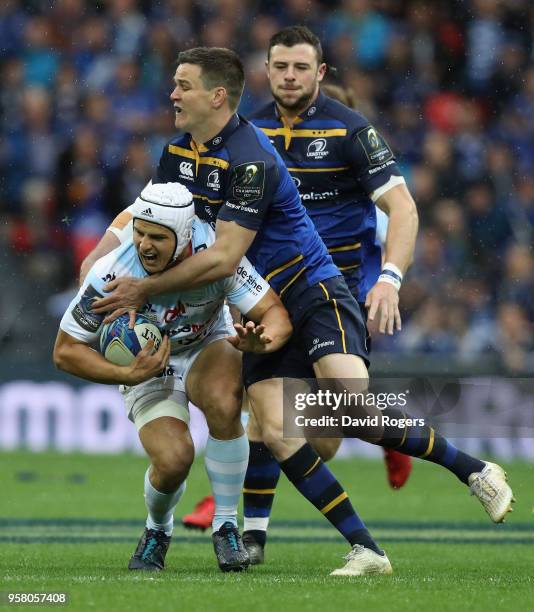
238,176
337,160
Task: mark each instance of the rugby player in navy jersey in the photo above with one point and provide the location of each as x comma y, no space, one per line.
240,183
263,470
342,168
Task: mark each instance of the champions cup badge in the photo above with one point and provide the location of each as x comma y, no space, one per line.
372,137
250,173
249,181
375,147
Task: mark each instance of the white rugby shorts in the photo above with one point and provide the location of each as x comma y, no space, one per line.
166,395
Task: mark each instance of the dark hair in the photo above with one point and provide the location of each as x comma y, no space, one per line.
296,35
220,68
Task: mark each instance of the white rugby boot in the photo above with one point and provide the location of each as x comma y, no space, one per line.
363,561
493,491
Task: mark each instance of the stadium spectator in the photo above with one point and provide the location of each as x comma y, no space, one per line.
485,37
454,115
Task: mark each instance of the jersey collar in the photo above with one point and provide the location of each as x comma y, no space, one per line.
218,141
310,112
314,108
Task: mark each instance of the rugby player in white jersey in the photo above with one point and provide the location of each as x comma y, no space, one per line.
197,361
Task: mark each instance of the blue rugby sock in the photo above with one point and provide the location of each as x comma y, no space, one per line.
259,489
306,470
423,442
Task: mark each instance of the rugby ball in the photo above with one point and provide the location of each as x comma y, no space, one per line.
120,344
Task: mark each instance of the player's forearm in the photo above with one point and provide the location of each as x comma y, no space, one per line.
401,236
84,362
202,268
277,326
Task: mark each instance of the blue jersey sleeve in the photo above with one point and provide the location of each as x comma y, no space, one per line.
166,172
250,191
371,158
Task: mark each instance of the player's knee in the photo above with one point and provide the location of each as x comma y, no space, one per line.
172,464
326,448
273,438
223,409
253,429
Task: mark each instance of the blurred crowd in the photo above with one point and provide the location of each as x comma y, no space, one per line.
84,114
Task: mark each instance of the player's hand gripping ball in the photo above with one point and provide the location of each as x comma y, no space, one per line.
120,344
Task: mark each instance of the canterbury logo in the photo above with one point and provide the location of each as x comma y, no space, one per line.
186,168
147,212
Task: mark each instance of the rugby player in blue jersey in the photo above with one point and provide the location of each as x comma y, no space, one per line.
240,183
342,168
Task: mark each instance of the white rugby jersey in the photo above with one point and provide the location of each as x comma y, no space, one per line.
187,316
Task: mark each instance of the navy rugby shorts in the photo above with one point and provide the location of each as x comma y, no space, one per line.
326,320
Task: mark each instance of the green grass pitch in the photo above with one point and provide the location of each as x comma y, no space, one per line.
69,523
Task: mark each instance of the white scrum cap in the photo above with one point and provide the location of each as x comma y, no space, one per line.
170,205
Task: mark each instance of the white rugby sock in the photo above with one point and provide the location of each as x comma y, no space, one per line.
161,506
226,464
255,523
